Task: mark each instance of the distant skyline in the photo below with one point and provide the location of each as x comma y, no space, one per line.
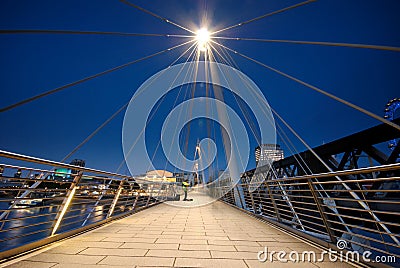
52,126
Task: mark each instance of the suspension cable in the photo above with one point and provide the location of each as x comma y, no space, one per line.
176,131
88,78
318,43
246,114
153,114
156,15
279,128
45,31
174,104
356,107
88,138
228,78
363,204
265,15
323,162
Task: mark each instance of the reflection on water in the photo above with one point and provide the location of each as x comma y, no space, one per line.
27,224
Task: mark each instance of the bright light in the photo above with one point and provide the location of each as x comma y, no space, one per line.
202,37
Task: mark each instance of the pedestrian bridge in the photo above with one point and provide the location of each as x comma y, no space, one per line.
54,214
215,235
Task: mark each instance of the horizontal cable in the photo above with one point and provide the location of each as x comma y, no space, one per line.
41,31
156,15
265,16
88,78
332,44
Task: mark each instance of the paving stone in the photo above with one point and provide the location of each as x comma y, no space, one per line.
66,258
204,237
234,255
70,265
101,244
178,253
139,261
232,243
207,247
215,263
130,239
31,264
150,246
114,252
182,241
66,249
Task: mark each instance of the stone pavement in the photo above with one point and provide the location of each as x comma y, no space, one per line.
198,196
215,235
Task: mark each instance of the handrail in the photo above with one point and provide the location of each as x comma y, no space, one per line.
64,204
319,207
57,164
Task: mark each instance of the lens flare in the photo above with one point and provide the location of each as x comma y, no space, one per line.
202,38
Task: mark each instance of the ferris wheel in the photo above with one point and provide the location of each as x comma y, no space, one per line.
390,110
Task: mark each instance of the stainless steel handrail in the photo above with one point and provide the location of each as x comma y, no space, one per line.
321,208
41,209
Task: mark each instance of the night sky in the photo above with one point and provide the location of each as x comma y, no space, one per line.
52,126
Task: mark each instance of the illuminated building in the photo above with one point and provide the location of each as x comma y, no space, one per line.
268,153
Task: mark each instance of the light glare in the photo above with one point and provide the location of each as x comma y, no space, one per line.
202,37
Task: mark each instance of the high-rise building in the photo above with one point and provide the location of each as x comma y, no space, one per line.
268,153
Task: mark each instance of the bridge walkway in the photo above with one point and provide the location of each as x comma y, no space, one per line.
216,235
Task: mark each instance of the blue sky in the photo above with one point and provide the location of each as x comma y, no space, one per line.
52,126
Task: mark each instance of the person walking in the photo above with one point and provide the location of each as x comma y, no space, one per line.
185,189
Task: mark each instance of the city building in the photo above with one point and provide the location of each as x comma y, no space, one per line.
268,153
159,175
183,176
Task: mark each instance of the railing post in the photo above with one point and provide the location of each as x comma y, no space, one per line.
239,196
66,202
95,205
251,198
135,202
115,200
278,216
321,210
23,195
148,199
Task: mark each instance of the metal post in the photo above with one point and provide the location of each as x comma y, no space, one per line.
136,200
278,216
251,198
240,197
148,199
115,200
66,202
23,195
96,204
321,211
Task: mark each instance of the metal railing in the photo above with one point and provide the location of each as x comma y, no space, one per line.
360,206
51,201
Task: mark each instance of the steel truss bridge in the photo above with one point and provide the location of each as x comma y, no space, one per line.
343,201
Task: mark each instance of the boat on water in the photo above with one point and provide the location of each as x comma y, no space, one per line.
27,202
